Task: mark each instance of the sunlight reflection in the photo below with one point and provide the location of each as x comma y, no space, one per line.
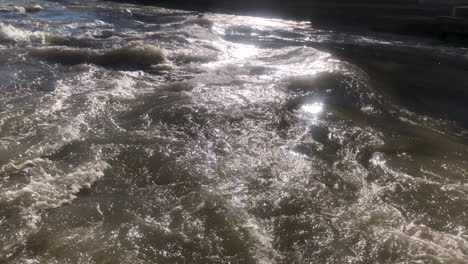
243,51
261,22
313,109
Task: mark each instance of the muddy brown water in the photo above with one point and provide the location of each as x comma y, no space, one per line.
137,134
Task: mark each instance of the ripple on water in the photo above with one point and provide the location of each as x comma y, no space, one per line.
237,143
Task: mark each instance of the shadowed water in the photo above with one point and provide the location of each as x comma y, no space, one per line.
136,134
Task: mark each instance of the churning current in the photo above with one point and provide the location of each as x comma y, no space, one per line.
137,134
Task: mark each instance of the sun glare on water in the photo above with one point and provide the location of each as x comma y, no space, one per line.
312,109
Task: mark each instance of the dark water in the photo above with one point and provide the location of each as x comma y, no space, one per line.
133,134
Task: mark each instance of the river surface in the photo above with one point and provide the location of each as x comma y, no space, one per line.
138,134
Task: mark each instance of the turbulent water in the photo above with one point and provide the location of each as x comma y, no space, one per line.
136,134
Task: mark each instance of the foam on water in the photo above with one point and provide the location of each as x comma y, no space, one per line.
241,142
11,33
44,176
11,8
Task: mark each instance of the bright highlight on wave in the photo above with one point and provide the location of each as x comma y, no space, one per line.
313,109
136,134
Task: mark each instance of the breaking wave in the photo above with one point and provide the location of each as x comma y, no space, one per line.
246,140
